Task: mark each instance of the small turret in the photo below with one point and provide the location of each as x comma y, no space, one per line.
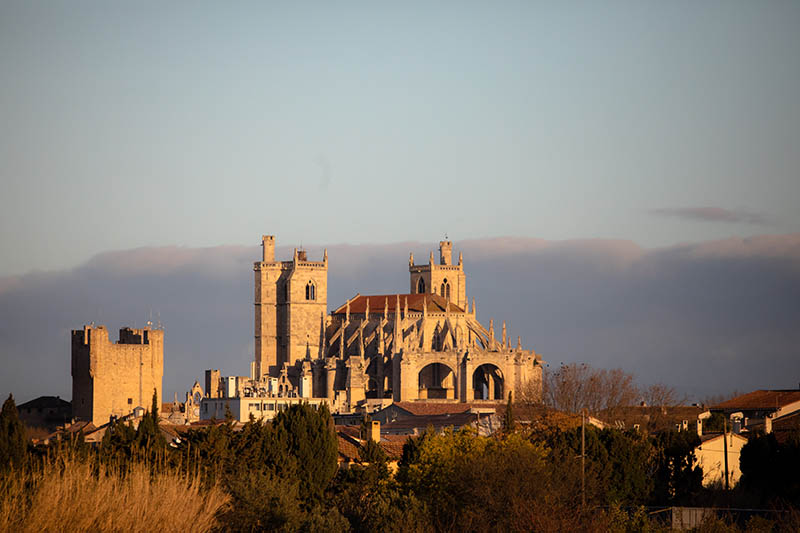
411,259
268,248
445,253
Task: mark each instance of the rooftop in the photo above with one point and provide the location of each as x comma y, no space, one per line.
378,302
761,400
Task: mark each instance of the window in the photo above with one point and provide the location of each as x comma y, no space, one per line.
311,291
421,286
446,289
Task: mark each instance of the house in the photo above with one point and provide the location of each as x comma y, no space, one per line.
713,453
47,412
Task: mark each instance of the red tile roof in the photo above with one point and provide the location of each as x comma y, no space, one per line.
762,400
416,424
786,426
424,408
348,449
393,448
377,303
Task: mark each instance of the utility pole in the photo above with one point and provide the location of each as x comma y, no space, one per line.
583,459
725,446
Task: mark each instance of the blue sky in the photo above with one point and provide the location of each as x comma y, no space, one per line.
200,124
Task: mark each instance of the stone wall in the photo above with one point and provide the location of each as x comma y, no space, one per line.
111,379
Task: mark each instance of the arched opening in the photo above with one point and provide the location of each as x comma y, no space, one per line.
446,289
436,381
487,383
311,291
421,286
372,389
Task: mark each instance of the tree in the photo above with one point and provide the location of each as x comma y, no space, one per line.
310,439
13,444
148,436
769,469
661,395
575,387
508,417
677,479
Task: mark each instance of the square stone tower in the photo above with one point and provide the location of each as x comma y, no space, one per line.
291,301
115,378
445,279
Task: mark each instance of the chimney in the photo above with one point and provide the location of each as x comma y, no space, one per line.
375,431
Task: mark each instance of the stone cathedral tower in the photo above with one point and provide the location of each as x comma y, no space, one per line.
291,300
445,279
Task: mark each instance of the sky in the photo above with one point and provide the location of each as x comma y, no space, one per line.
603,132
206,123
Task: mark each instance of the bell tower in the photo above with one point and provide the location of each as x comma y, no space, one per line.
291,300
445,279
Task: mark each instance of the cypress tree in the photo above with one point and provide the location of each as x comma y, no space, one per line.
508,418
13,444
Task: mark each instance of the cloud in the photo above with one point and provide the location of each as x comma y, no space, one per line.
714,214
707,318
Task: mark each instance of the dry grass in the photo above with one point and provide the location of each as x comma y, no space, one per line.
70,495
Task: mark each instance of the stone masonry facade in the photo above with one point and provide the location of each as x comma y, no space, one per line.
112,379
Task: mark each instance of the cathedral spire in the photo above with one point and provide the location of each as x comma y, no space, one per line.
411,259
519,343
474,306
386,308
366,311
505,340
491,332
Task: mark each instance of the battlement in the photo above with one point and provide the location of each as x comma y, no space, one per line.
91,334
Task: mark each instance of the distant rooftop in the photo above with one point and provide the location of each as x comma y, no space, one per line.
761,400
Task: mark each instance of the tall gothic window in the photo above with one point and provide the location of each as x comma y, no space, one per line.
421,286
311,291
446,289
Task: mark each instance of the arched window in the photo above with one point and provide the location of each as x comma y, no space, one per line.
446,289
311,291
421,286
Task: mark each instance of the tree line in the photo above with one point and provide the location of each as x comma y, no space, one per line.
283,475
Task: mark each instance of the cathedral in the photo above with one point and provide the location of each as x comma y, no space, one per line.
424,345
